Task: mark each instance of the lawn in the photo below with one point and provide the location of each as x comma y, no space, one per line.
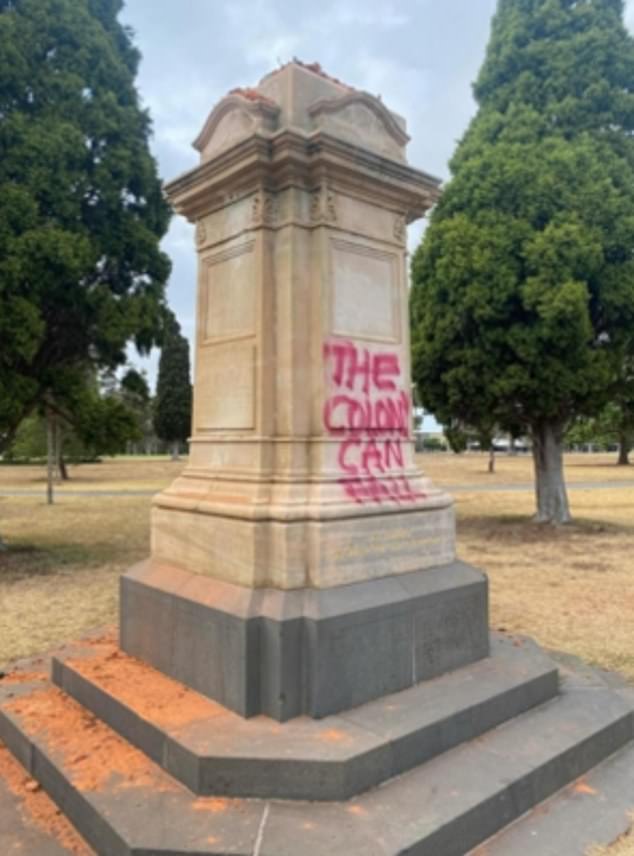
571,588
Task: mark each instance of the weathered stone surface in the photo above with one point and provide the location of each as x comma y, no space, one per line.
19,834
593,811
301,469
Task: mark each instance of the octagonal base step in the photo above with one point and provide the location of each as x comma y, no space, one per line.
216,752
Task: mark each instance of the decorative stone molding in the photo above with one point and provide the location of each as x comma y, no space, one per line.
323,205
363,100
238,116
201,233
400,228
265,209
362,120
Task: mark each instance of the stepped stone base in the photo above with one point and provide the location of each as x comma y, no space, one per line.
489,742
215,751
303,651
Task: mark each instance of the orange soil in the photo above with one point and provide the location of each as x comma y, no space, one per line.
38,808
149,693
333,735
93,754
23,678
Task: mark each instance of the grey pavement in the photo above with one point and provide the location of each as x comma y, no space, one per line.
519,487
452,488
59,492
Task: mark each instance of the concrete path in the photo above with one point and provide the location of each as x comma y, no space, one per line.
452,488
59,492
519,487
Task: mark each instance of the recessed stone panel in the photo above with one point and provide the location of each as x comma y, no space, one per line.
225,387
365,299
229,294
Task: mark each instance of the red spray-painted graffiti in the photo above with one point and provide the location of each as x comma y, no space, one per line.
368,411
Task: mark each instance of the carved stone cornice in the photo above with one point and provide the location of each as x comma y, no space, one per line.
293,158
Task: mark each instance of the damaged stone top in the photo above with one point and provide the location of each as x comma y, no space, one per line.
315,67
304,98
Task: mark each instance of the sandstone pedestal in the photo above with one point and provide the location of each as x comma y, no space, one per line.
304,666
289,568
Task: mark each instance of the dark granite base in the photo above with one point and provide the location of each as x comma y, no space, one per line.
307,651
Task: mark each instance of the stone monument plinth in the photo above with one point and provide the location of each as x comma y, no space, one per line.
301,532
303,665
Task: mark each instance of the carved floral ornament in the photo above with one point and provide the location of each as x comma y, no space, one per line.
400,228
201,233
323,205
265,208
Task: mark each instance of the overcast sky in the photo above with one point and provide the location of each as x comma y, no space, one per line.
421,56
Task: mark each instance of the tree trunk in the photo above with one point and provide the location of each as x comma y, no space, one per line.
492,460
625,445
62,472
175,448
550,487
61,466
50,454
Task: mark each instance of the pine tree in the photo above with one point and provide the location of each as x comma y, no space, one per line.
81,207
523,287
173,405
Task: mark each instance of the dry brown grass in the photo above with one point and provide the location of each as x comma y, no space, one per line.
623,847
60,576
572,588
471,468
111,474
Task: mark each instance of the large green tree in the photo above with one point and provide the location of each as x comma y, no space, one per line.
81,207
173,403
523,287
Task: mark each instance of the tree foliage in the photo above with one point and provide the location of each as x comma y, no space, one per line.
81,207
523,287
173,405
96,419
